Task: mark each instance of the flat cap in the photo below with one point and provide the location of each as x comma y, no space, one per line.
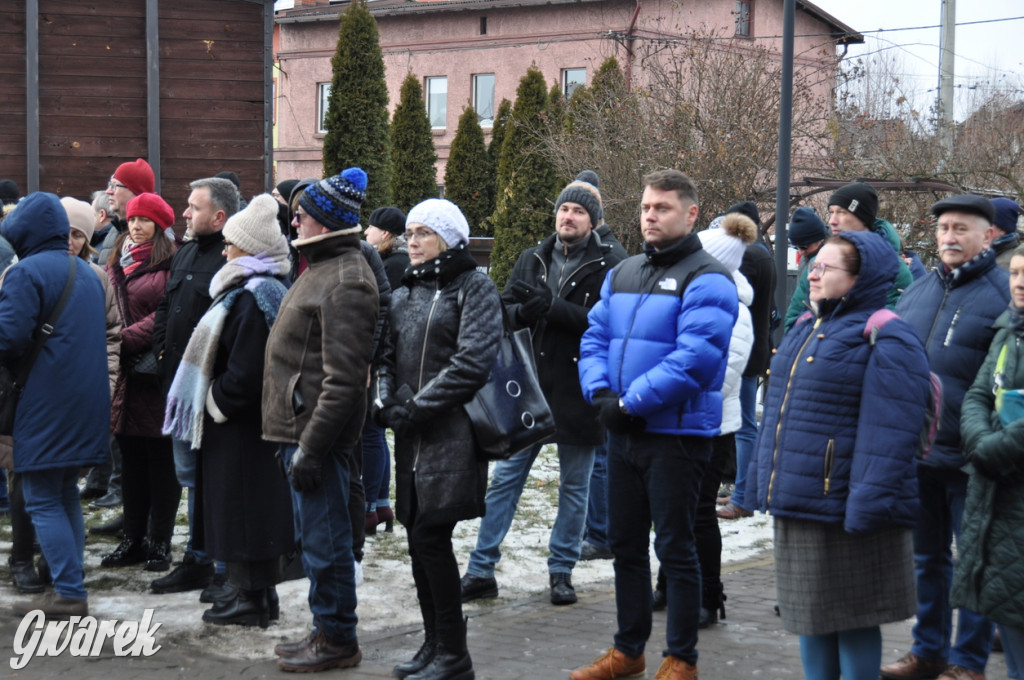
968,203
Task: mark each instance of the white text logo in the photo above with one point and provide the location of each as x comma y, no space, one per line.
82,636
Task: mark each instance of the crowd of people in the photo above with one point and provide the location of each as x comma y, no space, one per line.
258,360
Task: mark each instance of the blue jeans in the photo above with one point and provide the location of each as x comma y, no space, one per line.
852,654
376,464
942,492
657,479
51,498
1013,647
597,503
323,529
185,461
746,436
507,481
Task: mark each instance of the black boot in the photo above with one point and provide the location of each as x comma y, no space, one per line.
422,657
710,616
43,568
131,551
248,608
159,556
24,576
451,659
273,604
112,528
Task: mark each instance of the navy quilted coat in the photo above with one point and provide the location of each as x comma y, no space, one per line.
842,418
989,576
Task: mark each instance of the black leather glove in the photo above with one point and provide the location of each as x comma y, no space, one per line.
306,471
534,301
612,417
399,419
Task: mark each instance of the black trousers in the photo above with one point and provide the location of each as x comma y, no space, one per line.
436,574
23,534
150,492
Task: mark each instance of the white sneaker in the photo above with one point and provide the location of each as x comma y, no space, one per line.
359,573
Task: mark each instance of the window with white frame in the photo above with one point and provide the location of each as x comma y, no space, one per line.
743,18
483,98
323,91
437,101
571,79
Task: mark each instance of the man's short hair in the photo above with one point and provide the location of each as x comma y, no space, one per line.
100,201
672,180
223,194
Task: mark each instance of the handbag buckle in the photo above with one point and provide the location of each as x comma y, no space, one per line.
513,388
528,420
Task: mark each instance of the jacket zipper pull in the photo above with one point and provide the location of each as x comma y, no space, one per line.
952,326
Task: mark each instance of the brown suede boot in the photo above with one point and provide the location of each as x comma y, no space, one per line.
54,606
320,655
674,668
611,665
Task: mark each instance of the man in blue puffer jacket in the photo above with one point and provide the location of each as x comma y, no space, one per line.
62,421
953,309
653,361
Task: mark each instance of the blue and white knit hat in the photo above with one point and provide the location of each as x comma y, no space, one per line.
335,202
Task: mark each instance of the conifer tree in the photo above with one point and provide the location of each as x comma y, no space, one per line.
497,139
524,212
469,175
357,113
412,148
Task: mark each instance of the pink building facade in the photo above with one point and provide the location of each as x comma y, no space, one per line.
476,51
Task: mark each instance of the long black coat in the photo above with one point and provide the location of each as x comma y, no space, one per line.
246,509
444,354
556,336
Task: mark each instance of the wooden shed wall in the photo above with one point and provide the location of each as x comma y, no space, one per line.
93,86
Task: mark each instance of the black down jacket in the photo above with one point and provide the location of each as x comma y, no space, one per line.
444,354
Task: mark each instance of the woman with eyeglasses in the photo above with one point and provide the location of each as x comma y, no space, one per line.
834,461
446,324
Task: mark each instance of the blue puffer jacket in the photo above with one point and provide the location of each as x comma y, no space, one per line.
842,418
670,374
63,416
954,313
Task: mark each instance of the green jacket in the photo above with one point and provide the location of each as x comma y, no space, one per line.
798,303
989,576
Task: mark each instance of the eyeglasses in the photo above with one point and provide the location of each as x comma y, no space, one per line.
114,184
228,244
419,234
820,268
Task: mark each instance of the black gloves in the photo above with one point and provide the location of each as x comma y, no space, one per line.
612,417
398,412
305,471
534,301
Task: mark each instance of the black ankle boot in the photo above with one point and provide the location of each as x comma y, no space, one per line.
248,608
131,551
708,617
422,657
273,604
446,665
24,576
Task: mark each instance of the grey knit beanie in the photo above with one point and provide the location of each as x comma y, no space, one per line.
584,193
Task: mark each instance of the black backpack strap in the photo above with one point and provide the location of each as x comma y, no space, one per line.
46,329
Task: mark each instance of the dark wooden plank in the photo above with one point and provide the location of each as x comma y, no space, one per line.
114,86
86,124
228,10
96,106
229,90
214,130
224,151
247,70
93,147
112,10
89,66
211,109
211,29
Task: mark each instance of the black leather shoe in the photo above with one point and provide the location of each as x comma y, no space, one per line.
219,590
477,588
446,666
91,493
131,551
114,527
43,569
111,500
562,591
419,661
159,556
24,577
589,551
660,600
320,655
248,608
189,575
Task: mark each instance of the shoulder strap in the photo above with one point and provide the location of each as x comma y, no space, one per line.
876,322
46,330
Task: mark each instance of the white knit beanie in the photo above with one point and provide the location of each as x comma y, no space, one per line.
444,217
255,229
81,216
727,240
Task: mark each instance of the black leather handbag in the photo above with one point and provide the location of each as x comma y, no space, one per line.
510,414
143,366
11,385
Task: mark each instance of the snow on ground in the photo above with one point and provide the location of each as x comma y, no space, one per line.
387,598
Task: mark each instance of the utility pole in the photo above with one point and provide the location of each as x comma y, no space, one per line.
947,42
785,149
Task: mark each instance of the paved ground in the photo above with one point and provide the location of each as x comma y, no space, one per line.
524,640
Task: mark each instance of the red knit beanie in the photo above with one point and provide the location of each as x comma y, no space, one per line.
153,207
137,176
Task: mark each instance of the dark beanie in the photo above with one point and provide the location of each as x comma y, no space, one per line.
590,177
335,202
586,194
860,199
285,188
231,177
388,218
1007,212
9,192
806,228
748,208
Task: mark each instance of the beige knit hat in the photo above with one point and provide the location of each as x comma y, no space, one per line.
255,229
81,216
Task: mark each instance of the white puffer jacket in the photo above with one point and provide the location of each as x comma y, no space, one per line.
739,351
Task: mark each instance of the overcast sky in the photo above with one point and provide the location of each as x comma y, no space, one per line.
987,54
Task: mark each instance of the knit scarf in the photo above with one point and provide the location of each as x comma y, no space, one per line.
186,400
1016,320
134,255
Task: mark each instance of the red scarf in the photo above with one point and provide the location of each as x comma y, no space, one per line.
134,255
